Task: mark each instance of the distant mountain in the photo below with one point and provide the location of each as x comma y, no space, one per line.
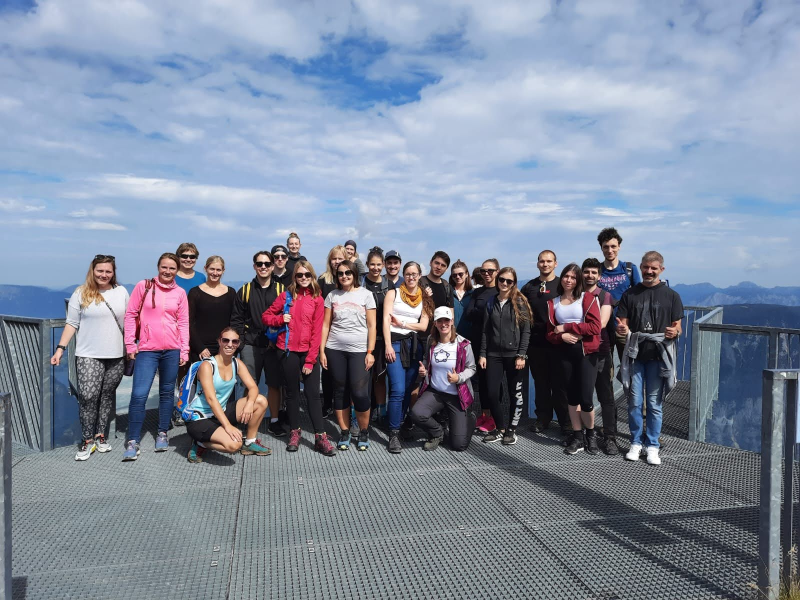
746,292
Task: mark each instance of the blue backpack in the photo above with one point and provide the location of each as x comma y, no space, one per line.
272,333
188,391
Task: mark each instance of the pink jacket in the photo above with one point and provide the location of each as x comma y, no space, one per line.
305,328
164,319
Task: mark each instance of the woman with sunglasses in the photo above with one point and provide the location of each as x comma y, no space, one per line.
187,278
406,313
473,315
299,344
215,418
327,283
158,314
506,329
346,347
210,308
462,294
447,367
379,285
573,327
96,313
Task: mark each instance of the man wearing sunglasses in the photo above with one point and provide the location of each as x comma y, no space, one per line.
251,301
280,272
541,356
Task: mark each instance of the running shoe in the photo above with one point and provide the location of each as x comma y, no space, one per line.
493,436
432,444
323,445
195,453
102,444
344,440
634,453
609,446
255,447
131,451
395,447
177,419
276,429
294,440
509,437
363,440
576,445
539,426
591,443
480,424
85,450
162,442
652,456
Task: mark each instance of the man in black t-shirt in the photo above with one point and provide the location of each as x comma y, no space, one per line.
433,284
655,311
541,353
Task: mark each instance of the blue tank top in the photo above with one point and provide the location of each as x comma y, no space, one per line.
223,389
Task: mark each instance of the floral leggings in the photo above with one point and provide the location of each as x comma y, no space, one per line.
98,379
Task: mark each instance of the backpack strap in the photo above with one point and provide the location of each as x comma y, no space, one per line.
246,293
629,271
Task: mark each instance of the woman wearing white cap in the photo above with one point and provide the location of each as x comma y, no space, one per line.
447,367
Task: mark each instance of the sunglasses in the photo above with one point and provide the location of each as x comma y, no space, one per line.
459,275
262,263
104,258
488,271
279,256
229,341
506,281
189,256
347,273
302,276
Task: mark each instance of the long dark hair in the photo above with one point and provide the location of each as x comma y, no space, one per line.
467,279
574,268
352,267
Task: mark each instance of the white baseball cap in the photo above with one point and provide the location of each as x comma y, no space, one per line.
443,312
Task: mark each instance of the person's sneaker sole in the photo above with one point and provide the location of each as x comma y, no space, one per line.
131,458
245,452
82,457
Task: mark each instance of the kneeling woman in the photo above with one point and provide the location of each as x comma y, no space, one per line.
215,418
574,327
447,367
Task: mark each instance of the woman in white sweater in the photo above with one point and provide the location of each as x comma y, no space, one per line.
96,312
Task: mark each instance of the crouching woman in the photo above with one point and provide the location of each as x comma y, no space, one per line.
216,415
447,367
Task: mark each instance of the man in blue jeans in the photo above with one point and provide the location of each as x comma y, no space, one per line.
649,316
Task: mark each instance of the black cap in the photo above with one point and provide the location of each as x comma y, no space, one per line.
392,254
277,247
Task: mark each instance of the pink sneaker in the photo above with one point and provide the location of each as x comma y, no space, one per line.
490,426
481,424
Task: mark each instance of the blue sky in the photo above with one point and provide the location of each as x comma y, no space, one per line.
482,128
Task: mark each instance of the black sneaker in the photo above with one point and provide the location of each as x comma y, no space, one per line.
509,438
591,443
609,446
576,445
492,437
407,430
539,426
566,433
432,444
395,447
276,429
177,419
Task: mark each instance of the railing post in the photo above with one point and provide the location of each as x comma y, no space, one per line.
787,518
695,382
769,517
5,499
774,351
46,389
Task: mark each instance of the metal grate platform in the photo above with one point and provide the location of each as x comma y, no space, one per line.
523,521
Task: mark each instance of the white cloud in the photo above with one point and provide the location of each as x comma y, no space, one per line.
15,206
57,224
95,211
216,224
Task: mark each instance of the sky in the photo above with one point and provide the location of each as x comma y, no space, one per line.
486,129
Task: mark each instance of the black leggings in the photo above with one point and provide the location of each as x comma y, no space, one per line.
350,379
604,386
292,366
461,422
496,368
576,375
549,397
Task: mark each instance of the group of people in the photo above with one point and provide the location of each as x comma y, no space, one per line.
441,342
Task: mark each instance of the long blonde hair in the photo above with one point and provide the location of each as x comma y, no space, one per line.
315,289
522,309
90,293
329,276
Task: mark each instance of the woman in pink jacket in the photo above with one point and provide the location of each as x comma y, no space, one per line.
298,346
162,310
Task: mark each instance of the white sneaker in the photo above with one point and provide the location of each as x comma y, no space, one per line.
652,456
102,444
634,453
85,450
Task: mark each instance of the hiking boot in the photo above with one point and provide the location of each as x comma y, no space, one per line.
177,419
432,444
255,447
276,429
539,426
162,442
652,456
395,447
102,444
509,437
610,447
195,454
363,440
577,443
323,445
131,451
85,450
634,453
294,440
591,443
493,436
344,440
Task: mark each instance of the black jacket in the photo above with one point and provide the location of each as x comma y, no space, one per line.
473,314
424,282
250,303
501,334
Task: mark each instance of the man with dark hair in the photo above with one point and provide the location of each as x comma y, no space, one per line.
604,383
541,353
649,316
281,273
434,285
616,276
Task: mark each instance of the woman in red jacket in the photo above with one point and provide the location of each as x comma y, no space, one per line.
574,328
299,342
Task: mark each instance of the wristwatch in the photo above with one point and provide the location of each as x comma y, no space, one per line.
522,356
62,347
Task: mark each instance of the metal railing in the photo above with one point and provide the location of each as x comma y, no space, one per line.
779,412
5,498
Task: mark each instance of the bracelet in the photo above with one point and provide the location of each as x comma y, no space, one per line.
522,356
61,347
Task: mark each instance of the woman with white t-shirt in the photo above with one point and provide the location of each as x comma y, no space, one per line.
348,340
96,313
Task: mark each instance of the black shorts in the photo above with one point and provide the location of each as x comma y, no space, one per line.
202,430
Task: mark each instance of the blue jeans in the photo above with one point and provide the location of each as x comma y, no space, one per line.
646,376
147,363
401,384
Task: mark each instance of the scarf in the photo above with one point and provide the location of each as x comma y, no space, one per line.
412,301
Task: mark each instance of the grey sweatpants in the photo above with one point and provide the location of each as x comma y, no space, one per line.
98,379
461,422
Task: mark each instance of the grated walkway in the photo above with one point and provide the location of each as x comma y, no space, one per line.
523,521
